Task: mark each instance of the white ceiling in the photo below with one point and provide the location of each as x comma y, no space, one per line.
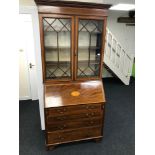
119,1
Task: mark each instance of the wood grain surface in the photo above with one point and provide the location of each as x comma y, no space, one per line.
57,95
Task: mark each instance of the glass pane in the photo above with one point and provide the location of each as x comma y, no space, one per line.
57,41
89,47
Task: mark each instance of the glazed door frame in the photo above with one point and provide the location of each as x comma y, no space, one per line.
77,18
74,46
41,16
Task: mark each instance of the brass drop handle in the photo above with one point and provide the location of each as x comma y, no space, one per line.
62,127
91,122
92,114
87,114
87,107
61,118
61,138
58,110
30,65
64,109
61,110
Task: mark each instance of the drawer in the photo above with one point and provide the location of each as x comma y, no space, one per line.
72,135
71,109
79,123
75,115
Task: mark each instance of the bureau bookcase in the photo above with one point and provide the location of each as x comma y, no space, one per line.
72,44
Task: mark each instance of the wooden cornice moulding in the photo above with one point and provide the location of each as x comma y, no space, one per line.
71,11
73,4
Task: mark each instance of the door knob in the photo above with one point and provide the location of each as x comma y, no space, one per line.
21,50
30,65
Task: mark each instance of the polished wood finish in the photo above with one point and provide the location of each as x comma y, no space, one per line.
57,95
77,18
72,4
43,44
71,11
73,135
74,108
92,14
73,118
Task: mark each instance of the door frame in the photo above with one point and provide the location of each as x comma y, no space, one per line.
35,23
28,39
102,47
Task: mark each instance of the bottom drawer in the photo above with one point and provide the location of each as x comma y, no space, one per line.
73,135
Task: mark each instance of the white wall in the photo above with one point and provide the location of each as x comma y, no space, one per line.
124,34
28,7
27,3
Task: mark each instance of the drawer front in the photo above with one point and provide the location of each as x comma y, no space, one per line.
74,116
72,135
88,122
71,109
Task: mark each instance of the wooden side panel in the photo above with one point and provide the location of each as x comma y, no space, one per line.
103,44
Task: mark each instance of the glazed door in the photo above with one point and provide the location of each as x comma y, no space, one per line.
57,47
89,47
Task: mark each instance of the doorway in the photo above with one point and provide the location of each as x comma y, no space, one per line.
27,65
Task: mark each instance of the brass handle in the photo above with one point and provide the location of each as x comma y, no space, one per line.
64,109
61,138
87,107
90,107
61,110
91,122
92,114
88,115
61,118
30,65
58,110
62,127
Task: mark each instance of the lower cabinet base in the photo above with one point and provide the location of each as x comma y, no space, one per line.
77,118
53,146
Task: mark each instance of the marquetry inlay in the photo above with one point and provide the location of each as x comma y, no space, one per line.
75,93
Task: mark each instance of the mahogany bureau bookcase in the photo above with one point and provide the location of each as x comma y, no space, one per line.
72,44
